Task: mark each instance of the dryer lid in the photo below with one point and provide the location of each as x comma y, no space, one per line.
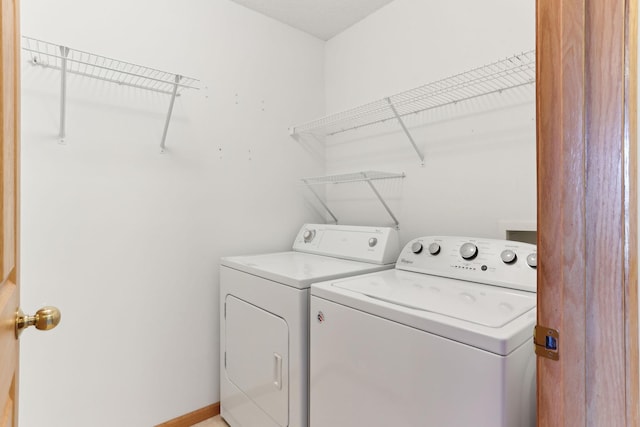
484,305
298,269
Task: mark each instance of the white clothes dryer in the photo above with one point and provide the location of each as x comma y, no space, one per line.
264,321
444,339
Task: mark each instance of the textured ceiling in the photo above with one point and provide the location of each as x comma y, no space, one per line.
321,18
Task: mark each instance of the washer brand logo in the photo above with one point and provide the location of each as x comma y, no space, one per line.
405,261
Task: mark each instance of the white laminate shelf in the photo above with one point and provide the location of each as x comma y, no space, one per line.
72,61
365,176
515,71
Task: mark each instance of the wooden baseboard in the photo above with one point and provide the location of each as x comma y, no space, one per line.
199,415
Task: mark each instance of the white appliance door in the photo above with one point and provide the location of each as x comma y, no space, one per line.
257,358
369,371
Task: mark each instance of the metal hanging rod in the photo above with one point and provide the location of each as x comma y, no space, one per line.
515,71
364,176
73,61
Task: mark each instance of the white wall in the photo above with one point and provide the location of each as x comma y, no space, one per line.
479,157
125,240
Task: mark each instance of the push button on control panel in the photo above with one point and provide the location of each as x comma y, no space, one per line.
372,242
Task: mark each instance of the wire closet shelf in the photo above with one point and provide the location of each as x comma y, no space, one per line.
351,177
49,55
364,176
515,71
72,61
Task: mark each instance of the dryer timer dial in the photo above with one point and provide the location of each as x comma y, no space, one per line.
308,235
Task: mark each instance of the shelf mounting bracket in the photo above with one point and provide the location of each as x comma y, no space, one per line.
366,176
324,205
173,100
64,52
375,190
293,134
406,131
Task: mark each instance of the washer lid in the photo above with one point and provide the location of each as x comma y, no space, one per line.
488,317
472,302
299,269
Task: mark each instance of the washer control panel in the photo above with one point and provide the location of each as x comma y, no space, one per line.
378,245
495,262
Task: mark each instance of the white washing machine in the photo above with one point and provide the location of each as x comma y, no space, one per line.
264,318
442,340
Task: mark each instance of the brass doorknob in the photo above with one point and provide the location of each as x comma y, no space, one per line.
46,318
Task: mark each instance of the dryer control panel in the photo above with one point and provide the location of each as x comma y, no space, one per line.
494,262
378,245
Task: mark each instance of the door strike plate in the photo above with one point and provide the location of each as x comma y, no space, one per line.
547,342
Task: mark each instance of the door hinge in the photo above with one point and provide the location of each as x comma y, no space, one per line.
225,310
547,342
225,360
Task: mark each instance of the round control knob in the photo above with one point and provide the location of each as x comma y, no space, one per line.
372,242
308,235
434,248
532,260
416,248
508,256
468,251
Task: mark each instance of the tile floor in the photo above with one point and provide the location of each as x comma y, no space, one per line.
212,422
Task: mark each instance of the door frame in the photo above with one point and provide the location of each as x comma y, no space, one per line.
9,209
587,210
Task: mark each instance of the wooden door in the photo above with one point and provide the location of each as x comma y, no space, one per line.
587,211
9,144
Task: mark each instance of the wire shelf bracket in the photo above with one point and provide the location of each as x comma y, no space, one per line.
406,131
64,53
364,176
72,61
510,73
173,100
324,205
